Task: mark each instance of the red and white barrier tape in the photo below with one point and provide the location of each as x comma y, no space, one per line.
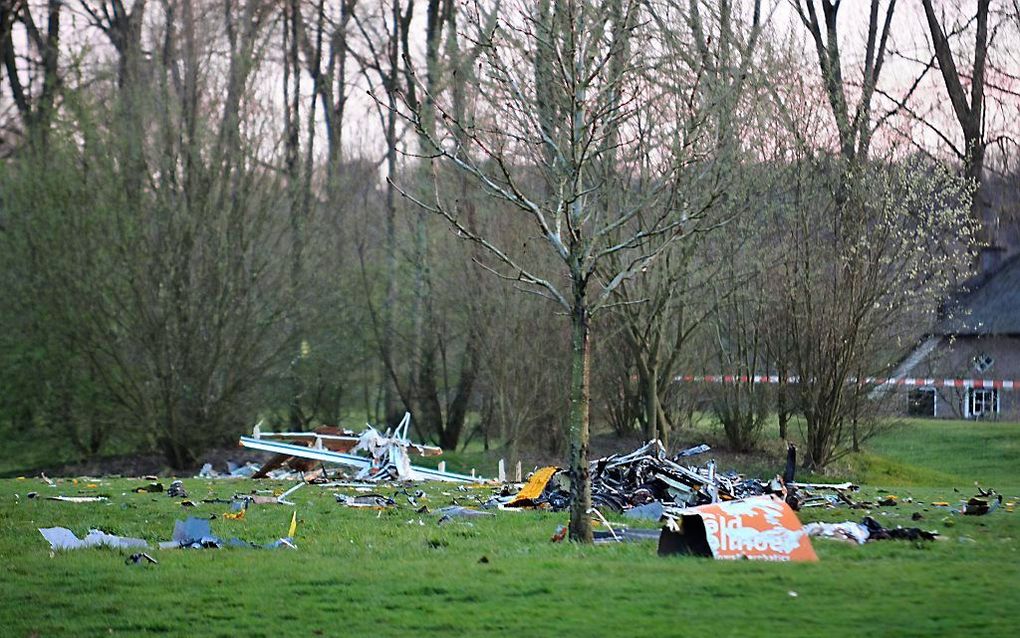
998,384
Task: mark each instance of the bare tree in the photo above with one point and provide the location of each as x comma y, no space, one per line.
853,120
720,61
548,123
969,109
35,100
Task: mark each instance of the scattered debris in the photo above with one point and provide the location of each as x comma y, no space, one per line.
77,499
177,490
248,470
624,535
61,538
648,477
150,488
282,498
533,489
866,531
196,533
985,502
848,531
653,511
388,455
878,533
140,558
447,514
236,515
371,501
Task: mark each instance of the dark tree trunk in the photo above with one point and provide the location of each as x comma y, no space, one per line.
580,399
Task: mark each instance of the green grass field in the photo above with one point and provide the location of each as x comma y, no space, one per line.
382,574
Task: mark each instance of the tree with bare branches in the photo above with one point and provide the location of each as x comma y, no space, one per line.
539,145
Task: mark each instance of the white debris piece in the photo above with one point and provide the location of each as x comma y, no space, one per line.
63,538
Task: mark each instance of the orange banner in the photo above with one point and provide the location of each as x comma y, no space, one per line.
760,528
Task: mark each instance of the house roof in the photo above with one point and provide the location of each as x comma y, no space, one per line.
992,308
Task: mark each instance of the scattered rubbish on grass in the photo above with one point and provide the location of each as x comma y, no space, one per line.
847,531
248,470
150,488
196,533
282,498
177,490
371,501
61,538
141,558
985,502
624,535
447,514
77,499
877,532
866,531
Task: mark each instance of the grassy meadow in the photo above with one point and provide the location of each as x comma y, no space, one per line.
398,573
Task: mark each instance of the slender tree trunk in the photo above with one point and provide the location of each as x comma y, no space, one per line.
580,399
652,400
782,411
390,304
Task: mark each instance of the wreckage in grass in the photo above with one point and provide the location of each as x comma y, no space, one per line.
387,458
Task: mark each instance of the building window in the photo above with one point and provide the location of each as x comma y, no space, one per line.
981,403
922,402
982,362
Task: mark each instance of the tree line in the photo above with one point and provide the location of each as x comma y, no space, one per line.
514,219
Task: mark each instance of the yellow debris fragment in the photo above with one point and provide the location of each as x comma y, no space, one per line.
534,487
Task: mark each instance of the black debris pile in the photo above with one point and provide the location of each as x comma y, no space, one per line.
866,531
648,474
648,483
985,502
878,533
